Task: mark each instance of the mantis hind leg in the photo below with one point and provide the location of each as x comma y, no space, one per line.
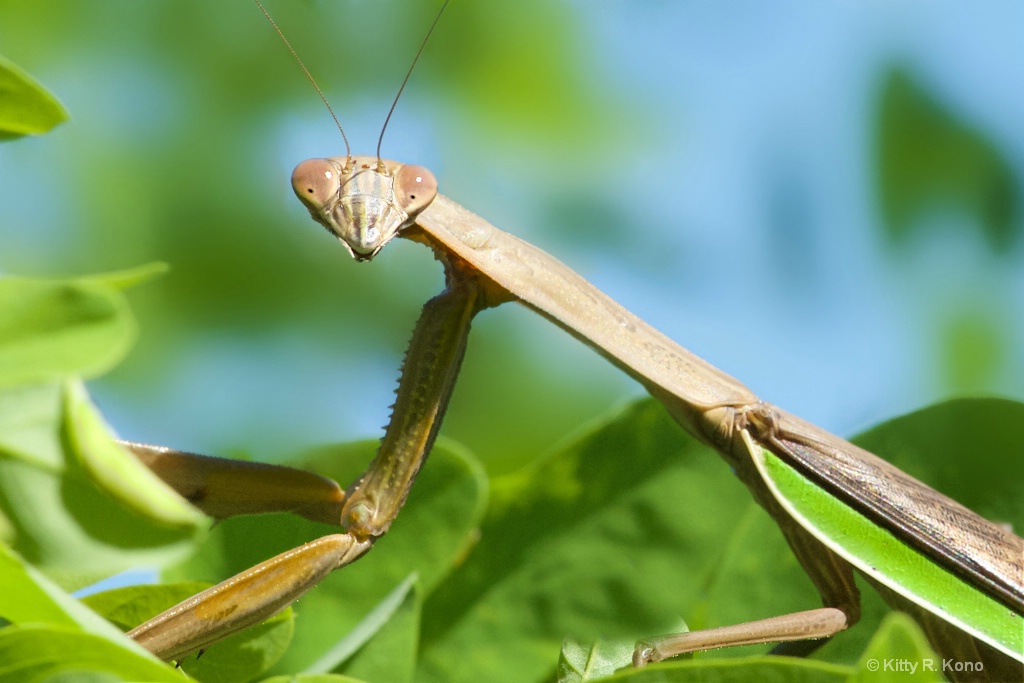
800,633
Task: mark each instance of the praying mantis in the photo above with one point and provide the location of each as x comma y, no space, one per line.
820,489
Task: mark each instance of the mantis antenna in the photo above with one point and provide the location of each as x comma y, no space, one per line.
323,98
405,80
348,149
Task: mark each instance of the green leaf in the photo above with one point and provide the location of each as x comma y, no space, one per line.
29,597
391,654
129,277
435,529
739,670
116,471
966,448
625,532
898,652
336,658
593,661
36,653
25,106
312,678
36,605
59,519
634,528
245,655
929,161
50,329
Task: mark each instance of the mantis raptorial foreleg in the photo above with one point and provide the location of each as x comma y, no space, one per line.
246,599
365,512
223,487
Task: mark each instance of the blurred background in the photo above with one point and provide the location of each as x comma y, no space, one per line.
823,199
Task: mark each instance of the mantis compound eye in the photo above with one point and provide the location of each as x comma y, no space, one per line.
316,182
415,188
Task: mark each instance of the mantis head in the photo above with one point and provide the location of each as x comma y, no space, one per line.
363,201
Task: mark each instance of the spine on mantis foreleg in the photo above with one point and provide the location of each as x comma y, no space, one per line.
429,371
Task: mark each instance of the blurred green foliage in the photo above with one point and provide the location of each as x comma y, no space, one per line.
99,329
940,177
25,107
930,161
189,116
71,502
974,344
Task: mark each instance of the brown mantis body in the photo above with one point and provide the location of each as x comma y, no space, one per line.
365,202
